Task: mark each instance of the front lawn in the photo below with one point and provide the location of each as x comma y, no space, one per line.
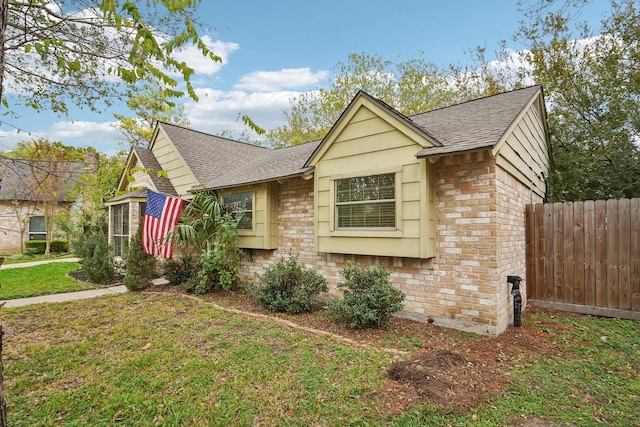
38,280
173,360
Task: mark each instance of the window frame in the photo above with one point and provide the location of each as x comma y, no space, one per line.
30,233
242,230
395,231
120,236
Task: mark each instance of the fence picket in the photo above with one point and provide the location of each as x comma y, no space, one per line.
585,256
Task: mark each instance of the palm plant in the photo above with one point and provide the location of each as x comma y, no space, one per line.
199,224
208,232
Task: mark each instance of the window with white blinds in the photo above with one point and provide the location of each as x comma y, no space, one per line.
366,202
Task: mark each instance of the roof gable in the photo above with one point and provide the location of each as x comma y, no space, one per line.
474,125
364,104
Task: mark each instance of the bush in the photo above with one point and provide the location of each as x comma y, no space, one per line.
98,265
140,265
218,267
178,271
37,247
288,287
369,298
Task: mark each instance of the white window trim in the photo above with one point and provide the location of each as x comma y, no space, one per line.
366,232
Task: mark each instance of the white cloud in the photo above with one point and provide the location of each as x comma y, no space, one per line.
103,136
218,111
265,81
204,65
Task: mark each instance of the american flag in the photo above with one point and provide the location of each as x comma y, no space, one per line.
160,218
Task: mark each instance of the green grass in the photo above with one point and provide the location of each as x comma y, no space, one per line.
141,360
39,280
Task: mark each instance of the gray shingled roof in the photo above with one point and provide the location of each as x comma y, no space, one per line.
20,177
221,163
209,156
473,125
148,160
272,164
138,194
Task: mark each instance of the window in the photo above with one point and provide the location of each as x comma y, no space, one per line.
366,202
120,227
241,202
37,228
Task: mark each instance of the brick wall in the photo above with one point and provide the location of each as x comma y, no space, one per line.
513,196
10,227
480,239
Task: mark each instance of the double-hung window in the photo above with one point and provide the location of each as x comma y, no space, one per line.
241,202
366,202
120,227
37,228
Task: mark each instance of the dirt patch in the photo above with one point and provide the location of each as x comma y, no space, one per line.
447,368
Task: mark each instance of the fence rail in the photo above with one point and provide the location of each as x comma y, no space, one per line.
585,256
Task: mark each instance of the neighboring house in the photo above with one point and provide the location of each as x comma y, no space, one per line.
22,184
437,198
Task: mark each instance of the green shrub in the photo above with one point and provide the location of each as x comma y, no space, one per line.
369,298
218,267
140,265
59,246
37,247
178,271
98,265
288,287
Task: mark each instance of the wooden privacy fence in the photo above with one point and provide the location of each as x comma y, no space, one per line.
585,256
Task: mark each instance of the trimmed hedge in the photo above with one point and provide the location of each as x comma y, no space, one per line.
37,247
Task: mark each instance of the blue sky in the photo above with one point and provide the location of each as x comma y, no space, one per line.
273,50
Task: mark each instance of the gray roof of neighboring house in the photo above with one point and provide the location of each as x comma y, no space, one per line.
148,160
20,178
209,156
473,125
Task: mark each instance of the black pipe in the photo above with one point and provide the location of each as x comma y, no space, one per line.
517,299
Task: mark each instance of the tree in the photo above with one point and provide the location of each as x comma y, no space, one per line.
411,87
44,171
81,51
140,265
149,104
97,182
592,86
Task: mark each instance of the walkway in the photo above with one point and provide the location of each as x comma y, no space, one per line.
68,296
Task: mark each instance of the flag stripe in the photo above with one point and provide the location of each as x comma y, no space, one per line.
160,218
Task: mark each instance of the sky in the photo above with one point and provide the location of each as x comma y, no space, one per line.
275,50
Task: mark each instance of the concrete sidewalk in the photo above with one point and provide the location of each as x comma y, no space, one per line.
68,296
32,263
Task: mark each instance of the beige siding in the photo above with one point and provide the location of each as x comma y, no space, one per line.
369,145
264,234
173,164
525,154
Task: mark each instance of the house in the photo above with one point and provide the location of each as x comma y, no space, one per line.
23,183
437,198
